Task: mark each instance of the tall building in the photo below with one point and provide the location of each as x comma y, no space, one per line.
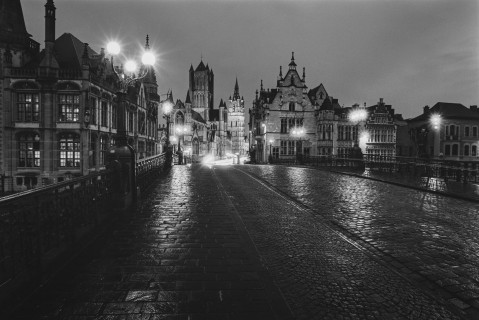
197,127
59,107
236,116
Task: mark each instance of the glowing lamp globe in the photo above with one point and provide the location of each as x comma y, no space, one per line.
167,106
130,66
148,59
113,48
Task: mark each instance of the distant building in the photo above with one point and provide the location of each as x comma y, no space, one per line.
454,137
59,107
381,130
236,135
197,127
282,120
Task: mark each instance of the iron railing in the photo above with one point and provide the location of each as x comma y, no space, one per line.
39,226
148,169
446,170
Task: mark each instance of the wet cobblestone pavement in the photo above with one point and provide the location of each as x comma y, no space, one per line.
429,239
217,243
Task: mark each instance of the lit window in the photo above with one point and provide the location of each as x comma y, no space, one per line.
28,107
69,107
29,151
69,150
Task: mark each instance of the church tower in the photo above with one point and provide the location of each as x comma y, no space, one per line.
201,89
236,122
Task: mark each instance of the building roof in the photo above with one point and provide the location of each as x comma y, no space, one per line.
195,116
449,111
12,24
69,50
201,67
330,104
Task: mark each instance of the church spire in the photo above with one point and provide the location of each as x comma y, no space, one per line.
236,94
292,64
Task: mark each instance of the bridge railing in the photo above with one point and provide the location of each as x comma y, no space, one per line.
38,227
447,170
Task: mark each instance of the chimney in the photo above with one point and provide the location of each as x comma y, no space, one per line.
426,109
474,108
49,23
381,100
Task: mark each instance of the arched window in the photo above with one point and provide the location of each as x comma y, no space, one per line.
29,150
455,149
180,119
474,150
291,106
69,150
466,150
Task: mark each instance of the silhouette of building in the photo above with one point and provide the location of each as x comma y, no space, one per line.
236,115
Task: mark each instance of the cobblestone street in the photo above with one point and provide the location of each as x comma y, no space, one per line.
262,242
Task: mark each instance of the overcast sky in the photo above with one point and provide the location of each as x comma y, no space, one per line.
411,53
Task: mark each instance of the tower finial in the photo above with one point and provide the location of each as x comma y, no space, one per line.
147,45
281,71
304,73
261,85
292,56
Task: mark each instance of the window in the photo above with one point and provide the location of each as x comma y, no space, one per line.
466,150
466,131
275,152
130,121
114,116
447,150
474,151
69,107
284,125
28,107
29,151
103,149
455,149
284,147
291,106
474,131
92,110
92,153
69,150
104,114
291,147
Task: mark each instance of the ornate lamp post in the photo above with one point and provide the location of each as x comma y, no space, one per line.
122,156
270,158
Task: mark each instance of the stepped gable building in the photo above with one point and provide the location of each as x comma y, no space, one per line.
290,121
59,107
236,116
381,128
455,137
282,120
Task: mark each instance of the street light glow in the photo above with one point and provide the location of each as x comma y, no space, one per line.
358,115
436,120
113,47
130,66
148,58
167,106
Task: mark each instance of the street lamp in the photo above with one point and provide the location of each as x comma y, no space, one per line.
298,132
356,116
270,152
436,121
123,155
126,80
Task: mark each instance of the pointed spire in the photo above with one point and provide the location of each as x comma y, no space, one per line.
188,100
261,88
236,95
191,67
147,45
292,64
304,73
281,71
